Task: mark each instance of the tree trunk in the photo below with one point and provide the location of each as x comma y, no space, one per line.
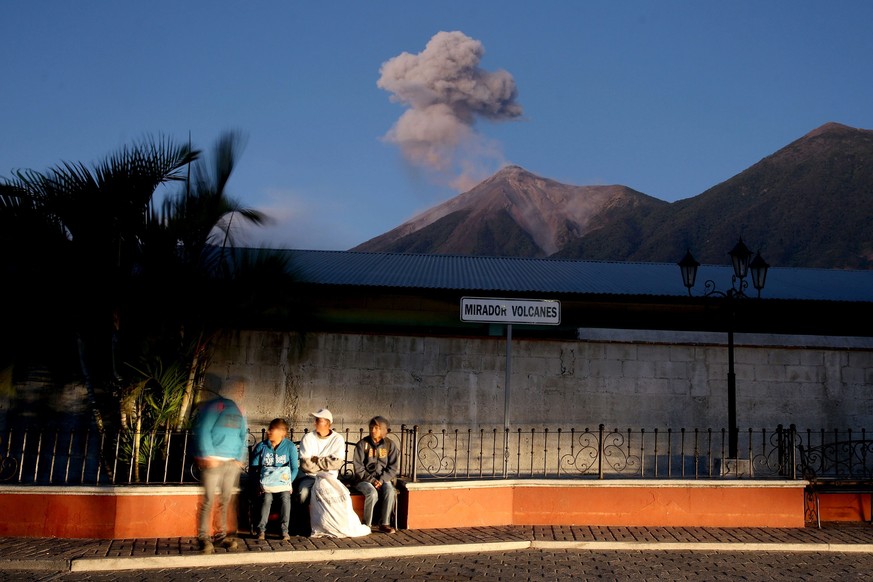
137,437
189,396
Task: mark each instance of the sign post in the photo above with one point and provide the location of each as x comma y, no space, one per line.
506,383
509,312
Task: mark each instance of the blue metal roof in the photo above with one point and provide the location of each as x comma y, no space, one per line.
524,275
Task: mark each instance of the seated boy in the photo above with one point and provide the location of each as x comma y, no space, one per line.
322,449
276,458
376,463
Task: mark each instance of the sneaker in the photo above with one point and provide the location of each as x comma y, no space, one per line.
206,547
262,536
286,537
386,529
229,543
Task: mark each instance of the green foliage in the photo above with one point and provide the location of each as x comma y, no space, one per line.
159,393
150,407
102,272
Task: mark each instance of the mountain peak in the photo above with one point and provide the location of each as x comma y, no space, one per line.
512,212
512,172
831,127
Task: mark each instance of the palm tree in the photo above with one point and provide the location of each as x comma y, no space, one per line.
163,276
89,223
199,222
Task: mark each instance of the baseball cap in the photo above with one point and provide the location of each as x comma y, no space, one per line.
322,413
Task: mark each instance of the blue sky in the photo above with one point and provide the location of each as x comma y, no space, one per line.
668,97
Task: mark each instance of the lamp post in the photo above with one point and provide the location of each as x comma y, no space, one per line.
743,265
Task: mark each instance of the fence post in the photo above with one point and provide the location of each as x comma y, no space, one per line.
600,453
559,453
404,461
38,455
414,453
781,453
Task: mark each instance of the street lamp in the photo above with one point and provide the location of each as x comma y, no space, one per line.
743,266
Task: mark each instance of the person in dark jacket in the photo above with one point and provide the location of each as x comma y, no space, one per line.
376,463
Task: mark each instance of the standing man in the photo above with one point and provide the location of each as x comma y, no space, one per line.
320,450
376,464
221,438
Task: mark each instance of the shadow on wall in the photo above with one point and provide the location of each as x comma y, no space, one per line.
45,404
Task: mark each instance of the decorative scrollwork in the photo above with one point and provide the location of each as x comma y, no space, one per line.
592,453
582,460
8,469
849,459
616,455
194,471
810,509
432,457
778,459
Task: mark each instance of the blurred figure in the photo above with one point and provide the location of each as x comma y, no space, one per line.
221,439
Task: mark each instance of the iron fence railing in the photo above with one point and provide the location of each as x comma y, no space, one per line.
33,456
836,455
90,457
600,453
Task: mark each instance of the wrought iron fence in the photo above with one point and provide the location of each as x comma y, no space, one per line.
600,453
845,455
90,457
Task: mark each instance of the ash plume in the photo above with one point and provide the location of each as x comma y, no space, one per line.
446,92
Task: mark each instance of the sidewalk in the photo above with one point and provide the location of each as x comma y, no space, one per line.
106,555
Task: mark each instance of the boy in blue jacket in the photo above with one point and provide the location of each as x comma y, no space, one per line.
277,460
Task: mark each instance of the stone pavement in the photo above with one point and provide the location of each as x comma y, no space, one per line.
88,555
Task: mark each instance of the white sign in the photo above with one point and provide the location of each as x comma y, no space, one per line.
494,310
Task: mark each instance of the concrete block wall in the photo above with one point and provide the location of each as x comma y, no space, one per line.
622,378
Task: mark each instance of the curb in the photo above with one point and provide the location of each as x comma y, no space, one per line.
285,556
707,546
36,565
195,560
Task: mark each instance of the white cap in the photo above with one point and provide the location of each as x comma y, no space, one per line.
322,413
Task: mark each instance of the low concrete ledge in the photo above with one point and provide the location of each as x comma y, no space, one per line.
605,483
171,511
680,503
102,490
107,512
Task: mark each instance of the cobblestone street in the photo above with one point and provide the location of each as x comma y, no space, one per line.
524,565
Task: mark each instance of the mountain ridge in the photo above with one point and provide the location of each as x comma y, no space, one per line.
549,212
808,204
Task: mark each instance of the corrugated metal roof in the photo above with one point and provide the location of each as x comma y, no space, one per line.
523,275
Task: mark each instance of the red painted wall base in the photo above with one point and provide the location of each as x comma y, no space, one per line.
108,512
157,512
613,503
101,512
